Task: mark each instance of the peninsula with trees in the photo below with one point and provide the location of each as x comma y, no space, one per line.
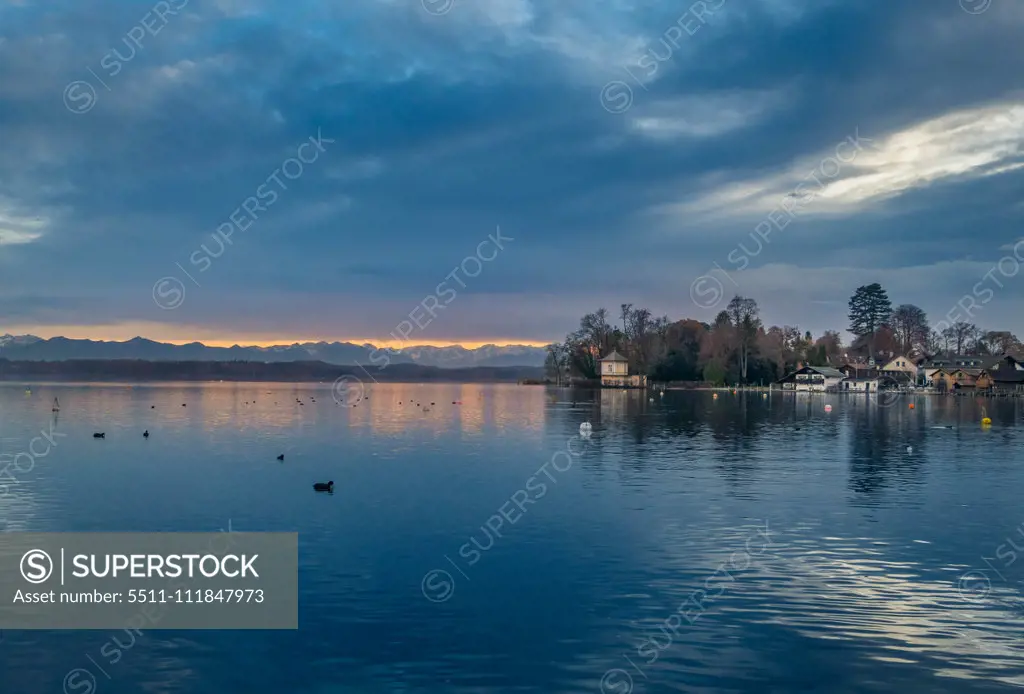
738,348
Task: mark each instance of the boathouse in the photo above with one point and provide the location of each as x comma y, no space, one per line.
875,380
929,370
1006,381
955,379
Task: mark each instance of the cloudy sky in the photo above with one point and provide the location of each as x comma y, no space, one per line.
355,154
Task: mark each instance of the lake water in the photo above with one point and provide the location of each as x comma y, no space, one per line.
462,553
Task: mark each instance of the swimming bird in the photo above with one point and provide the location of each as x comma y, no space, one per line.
152,407
184,405
324,486
281,457
145,434
99,436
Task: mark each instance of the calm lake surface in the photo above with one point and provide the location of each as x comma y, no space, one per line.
461,552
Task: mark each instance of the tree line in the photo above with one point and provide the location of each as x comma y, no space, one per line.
738,348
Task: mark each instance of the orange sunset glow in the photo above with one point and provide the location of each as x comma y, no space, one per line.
180,335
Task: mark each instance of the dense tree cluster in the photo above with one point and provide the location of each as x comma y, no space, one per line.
738,348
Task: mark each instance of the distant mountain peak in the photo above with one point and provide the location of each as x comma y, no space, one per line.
31,348
8,339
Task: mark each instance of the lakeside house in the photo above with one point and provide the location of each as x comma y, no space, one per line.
614,371
869,380
962,378
1007,381
1002,374
865,384
949,364
860,377
813,379
901,364
980,373
1004,363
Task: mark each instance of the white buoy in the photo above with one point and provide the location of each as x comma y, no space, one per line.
652,399
910,449
828,408
586,428
662,393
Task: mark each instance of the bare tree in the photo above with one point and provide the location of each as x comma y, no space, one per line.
1001,342
556,362
743,314
910,328
938,341
961,334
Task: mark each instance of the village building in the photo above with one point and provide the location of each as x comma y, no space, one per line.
866,380
955,379
813,379
1004,363
948,364
1006,381
998,372
863,384
858,369
953,361
902,364
1003,374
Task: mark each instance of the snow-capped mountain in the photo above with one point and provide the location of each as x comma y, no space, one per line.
17,340
31,348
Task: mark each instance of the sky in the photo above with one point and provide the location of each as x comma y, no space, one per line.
490,170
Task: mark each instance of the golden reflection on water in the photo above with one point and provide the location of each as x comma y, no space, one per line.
381,409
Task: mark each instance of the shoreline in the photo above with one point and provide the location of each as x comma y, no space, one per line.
127,371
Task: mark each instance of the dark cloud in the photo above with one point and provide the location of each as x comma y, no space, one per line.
445,127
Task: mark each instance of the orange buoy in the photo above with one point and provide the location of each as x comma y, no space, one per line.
911,405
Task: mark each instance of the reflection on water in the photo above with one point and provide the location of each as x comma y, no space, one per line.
891,561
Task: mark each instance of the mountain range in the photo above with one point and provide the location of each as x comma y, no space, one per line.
32,348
